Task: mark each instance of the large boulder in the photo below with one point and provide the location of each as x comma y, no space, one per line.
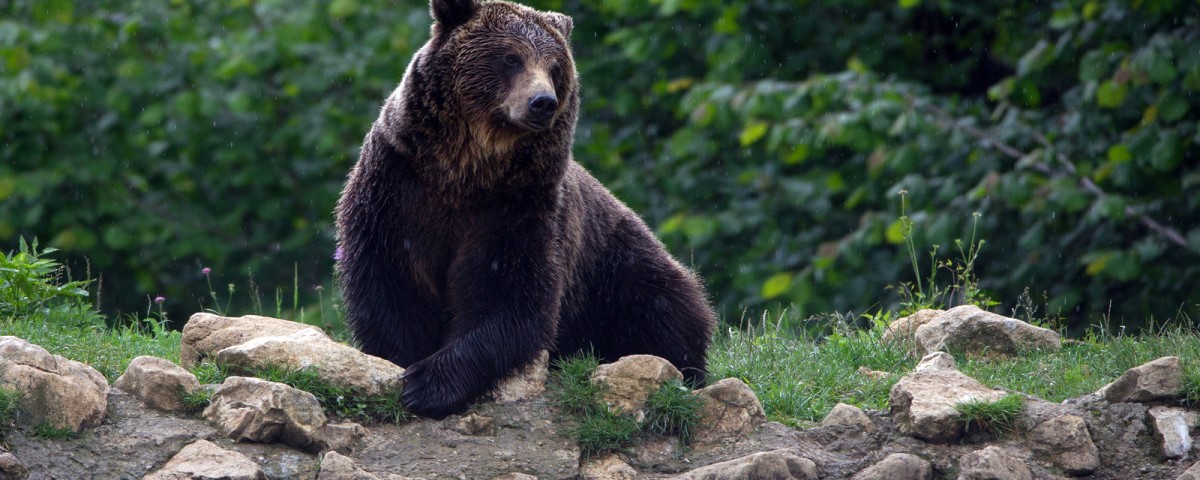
629,381
728,410
334,363
204,460
64,393
970,330
158,383
205,334
776,464
1156,380
255,410
923,401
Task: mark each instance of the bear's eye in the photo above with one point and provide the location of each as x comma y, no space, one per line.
555,70
512,60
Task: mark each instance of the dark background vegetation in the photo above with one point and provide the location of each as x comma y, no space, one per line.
767,142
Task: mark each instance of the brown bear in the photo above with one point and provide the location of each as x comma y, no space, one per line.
471,240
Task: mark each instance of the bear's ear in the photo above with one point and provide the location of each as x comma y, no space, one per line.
452,13
561,22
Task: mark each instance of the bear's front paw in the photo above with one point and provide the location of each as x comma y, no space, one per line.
430,394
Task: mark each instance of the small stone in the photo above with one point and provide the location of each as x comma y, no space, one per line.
474,424
971,330
203,460
11,467
776,465
1192,473
843,414
1172,426
607,467
515,476
992,463
897,466
158,383
335,466
629,381
873,374
936,361
255,410
1157,380
728,409
1064,441
527,384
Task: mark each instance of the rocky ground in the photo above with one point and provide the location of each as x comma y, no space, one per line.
1133,428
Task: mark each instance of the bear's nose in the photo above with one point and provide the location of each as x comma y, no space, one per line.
543,105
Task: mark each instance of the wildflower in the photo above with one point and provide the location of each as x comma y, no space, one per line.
160,299
205,271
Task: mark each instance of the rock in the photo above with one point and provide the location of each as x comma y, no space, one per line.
11,468
1192,473
1172,426
922,403
64,393
936,361
1065,442
527,384
873,374
158,383
474,424
897,466
335,364
629,381
335,466
843,414
607,467
971,330
1156,380
992,463
205,460
777,464
205,334
255,410
516,476
728,409
902,330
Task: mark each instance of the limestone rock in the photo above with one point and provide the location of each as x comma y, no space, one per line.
776,464
728,409
205,334
897,466
204,460
1064,441
1172,426
843,414
335,363
255,410
607,467
1157,380
873,374
902,330
516,476
11,468
992,463
527,384
335,466
629,381
157,382
63,392
474,424
936,361
922,402
1192,473
971,330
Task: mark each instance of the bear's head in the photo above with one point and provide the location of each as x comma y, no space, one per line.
508,68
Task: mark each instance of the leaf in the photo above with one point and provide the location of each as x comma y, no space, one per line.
1035,59
1172,108
1119,153
1093,66
777,285
754,131
1111,94
895,232
1166,153
906,4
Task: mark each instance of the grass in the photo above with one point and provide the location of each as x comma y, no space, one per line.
339,401
10,400
998,417
672,410
51,432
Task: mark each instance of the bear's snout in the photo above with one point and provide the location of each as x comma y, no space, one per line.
543,106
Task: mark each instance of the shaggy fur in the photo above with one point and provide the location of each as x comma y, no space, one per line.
471,239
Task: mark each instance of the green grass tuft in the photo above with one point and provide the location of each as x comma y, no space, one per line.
196,400
672,410
998,417
602,431
340,401
51,432
10,401
210,373
571,388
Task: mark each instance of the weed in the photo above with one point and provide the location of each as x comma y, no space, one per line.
1191,385
339,401
571,387
964,288
196,400
10,401
210,373
50,432
603,431
31,285
995,416
672,410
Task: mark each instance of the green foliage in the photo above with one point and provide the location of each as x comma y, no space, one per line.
196,400
571,388
603,431
339,401
108,350
48,431
997,417
764,153
210,373
33,285
672,410
10,401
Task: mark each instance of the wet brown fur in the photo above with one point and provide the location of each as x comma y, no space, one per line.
471,239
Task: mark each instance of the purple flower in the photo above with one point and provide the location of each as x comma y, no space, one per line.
206,271
337,254
160,299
